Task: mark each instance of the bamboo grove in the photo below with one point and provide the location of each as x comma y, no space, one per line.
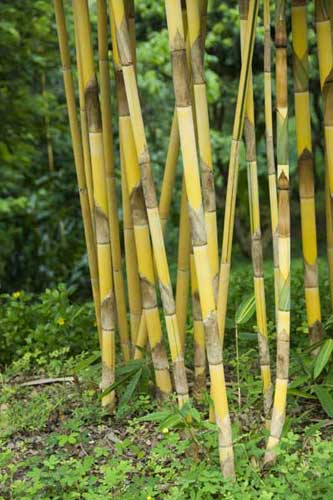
134,298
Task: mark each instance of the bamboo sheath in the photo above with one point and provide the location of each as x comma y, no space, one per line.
135,117
131,174
78,156
108,312
256,242
305,167
150,201
229,215
325,58
119,288
273,200
198,231
283,323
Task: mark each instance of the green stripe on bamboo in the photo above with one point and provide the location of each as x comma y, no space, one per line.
273,199
283,323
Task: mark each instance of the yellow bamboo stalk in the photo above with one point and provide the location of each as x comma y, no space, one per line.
256,241
105,95
273,200
78,156
196,42
283,323
84,128
108,314
141,235
138,325
133,281
198,231
305,167
183,266
155,227
141,339
169,172
229,214
325,58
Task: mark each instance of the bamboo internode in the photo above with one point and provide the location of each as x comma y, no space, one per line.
137,312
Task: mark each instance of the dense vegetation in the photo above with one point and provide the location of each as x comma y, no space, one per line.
55,440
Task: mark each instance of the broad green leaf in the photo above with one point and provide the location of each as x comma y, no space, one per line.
325,398
245,310
323,357
171,421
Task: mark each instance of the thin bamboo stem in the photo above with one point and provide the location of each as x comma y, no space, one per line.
198,230
273,199
283,323
78,157
183,266
105,94
150,199
305,167
325,58
108,314
229,215
198,336
170,170
256,241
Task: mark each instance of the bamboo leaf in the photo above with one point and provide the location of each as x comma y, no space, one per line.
323,357
157,416
171,421
325,398
245,310
130,367
129,391
300,394
87,362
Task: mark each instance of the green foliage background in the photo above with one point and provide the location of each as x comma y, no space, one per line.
40,226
